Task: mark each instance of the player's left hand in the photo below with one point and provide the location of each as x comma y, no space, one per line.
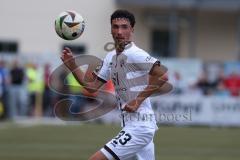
132,106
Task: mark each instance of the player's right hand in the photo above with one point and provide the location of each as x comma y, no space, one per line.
68,59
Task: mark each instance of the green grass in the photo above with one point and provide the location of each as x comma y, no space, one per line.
78,142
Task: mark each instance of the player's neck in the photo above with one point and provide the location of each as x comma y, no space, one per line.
120,47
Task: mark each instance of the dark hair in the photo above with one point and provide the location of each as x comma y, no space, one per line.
123,14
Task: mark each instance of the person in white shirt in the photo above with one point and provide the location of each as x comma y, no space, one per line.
135,75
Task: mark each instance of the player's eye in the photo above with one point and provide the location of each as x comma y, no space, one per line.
115,26
124,26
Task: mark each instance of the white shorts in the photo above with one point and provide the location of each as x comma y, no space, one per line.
131,144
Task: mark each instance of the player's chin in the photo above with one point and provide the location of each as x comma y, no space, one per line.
120,40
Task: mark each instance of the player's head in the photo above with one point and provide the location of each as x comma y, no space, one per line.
122,24
125,15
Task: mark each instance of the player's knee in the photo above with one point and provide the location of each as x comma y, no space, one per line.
92,158
98,156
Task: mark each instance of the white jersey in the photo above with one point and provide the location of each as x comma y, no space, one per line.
129,73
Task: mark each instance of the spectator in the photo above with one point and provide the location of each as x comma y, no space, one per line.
3,89
206,87
47,101
34,87
17,92
178,84
232,84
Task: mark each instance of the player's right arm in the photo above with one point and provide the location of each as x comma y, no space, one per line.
93,83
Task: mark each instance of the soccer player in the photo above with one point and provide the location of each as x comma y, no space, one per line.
126,66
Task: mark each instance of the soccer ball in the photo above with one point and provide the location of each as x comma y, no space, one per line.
69,25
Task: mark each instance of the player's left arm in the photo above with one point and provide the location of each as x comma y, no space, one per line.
157,78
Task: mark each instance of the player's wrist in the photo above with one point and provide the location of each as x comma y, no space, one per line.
72,67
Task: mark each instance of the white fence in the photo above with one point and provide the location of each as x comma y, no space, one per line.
199,110
191,110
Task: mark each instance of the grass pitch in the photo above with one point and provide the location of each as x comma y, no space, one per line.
78,142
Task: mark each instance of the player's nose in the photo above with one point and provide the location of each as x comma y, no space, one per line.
119,31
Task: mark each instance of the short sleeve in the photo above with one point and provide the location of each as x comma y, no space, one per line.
104,72
143,60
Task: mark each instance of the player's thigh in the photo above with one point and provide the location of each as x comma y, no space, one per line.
98,156
127,143
148,152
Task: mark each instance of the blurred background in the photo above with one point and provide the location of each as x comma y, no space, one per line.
197,40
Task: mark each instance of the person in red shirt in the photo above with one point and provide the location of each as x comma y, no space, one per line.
232,84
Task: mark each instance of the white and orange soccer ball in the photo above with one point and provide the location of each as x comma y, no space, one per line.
69,25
